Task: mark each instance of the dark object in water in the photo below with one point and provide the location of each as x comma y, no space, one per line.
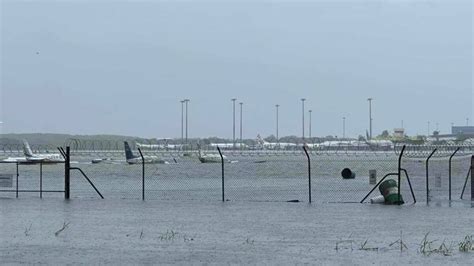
348,174
262,161
294,201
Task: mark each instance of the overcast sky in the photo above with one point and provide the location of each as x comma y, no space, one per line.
116,67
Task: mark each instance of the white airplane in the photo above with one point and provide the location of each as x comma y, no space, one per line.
210,157
228,145
165,146
341,143
132,159
312,145
32,158
386,144
261,143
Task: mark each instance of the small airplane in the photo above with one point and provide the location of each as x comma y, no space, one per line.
261,143
149,159
32,158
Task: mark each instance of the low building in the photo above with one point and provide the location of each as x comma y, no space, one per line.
399,133
462,130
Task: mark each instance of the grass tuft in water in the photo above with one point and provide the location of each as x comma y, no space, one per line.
466,245
168,236
64,227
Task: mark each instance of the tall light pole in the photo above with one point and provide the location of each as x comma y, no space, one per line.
370,117
182,122
310,111
241,104
277,118
429,129
344,127
233,117
467,121
186,101
302,107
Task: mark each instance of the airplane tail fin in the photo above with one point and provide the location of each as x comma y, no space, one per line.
128,151
26,149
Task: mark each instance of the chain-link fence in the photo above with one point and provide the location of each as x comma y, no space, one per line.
246,175
31,180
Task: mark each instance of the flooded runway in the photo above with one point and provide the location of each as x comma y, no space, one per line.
163,232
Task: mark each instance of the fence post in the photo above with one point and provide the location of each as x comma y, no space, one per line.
222,167
450,162
143,173
67,174
427,176
17,176
309,172
400,171
472,178
41,180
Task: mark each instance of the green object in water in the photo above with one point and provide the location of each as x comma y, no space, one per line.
389,190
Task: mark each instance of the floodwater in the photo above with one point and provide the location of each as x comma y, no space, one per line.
126,232
183,220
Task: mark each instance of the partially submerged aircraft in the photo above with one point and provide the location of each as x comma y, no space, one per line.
132,159
35,158
209,157
261,143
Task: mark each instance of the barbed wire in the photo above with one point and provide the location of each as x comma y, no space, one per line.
106,148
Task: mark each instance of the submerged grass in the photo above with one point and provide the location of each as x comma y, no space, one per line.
345,243
364,246
169,235
426,247
400,242
27,230
466,245
64,227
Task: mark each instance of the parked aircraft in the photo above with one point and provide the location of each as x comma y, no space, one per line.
261,143
34,158
228,145
209,157
149,159
164,146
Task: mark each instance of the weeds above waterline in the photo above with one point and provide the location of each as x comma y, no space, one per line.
344,243
168,236
427,246
64,227
400,242
364,246
466,245
27,230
